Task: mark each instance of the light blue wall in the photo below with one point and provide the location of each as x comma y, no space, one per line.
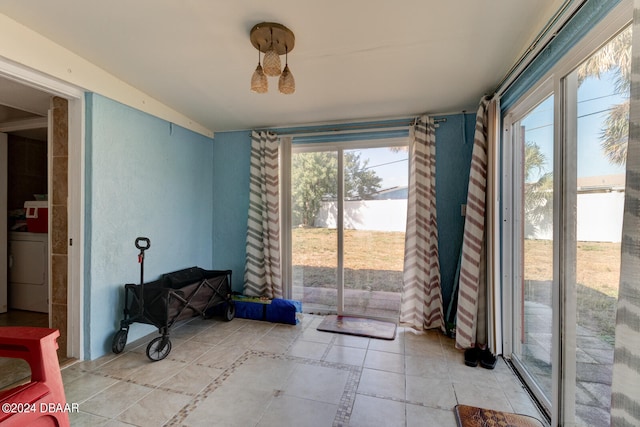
231,158
144,177
232,151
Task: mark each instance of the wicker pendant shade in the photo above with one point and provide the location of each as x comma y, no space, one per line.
259,82
272,64
286,83
273,40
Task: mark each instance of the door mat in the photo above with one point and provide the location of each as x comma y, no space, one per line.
358,326
471,416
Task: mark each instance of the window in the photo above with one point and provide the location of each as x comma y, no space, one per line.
348,219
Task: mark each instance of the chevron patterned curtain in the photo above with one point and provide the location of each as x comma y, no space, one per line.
471,320
625,390
421,306
262,276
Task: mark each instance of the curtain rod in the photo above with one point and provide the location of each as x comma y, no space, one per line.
536,47
347,127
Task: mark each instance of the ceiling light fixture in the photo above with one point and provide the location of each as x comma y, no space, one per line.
259,83
286,82
273,40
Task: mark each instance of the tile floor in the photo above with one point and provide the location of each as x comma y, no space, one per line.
253,373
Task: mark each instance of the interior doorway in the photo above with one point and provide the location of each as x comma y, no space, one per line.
36,124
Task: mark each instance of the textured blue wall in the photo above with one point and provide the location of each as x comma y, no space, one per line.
231,161
231,158
454,145
144,177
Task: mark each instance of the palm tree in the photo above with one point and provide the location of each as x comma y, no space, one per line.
614,56
538,193
615,135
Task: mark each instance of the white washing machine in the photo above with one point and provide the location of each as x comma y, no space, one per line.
29,271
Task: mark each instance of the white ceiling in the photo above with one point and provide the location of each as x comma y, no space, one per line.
23,110
353,59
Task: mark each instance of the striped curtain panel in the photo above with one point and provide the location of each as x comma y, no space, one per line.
471,323
421,306
262,276
625,389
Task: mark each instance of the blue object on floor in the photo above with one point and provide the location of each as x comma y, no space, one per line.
277,310
250,310
283,311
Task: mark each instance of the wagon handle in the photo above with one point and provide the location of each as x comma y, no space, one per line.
143,243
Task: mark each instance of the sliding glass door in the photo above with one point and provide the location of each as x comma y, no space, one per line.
566,155
535,290
597,122
314,182
348,220
374,222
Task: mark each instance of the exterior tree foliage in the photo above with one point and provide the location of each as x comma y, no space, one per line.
614,56
538,200
315,177
360,181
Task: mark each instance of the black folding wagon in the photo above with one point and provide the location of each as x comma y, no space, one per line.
175,296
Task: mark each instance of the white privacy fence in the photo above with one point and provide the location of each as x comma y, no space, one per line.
599,218
371,215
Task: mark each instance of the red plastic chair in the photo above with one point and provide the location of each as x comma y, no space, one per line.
40,402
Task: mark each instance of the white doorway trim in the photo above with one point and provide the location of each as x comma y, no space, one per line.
75,213
4,165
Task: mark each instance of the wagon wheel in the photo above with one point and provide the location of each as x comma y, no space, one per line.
230,312
119,341
158,348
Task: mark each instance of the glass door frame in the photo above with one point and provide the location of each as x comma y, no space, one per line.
563,303
558,81
513,241
287,149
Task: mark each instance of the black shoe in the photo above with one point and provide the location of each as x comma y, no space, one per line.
487,360
471,356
